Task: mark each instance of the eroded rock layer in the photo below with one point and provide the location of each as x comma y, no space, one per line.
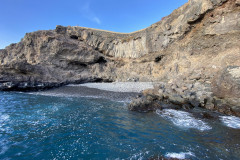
196,49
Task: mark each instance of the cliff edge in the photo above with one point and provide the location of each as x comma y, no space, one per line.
194,52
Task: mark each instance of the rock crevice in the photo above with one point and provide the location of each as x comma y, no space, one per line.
198,44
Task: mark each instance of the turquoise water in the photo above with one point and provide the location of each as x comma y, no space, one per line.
47,127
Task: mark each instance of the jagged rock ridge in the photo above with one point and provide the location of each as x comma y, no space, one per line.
198,44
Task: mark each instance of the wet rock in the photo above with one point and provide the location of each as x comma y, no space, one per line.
144,104
194,103
167,105
153,100
171,96
27,86
176,99
205,115
190,50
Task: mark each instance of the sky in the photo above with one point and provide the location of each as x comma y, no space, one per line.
18,17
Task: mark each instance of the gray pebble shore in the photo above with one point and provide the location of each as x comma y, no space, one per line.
117,91
119,86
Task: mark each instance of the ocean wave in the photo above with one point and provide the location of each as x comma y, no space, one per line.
183,119
181,155
231,121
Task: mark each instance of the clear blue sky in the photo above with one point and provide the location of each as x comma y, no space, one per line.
18,17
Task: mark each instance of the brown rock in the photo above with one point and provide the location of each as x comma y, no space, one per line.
237,2
226,84
194,45
144,104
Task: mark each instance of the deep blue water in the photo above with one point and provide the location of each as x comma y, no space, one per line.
47,127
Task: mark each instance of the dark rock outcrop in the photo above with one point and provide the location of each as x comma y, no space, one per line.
194,51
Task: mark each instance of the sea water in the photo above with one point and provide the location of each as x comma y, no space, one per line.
53,127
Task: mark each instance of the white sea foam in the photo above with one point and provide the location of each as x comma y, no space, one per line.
181,155
231,121
183,119
139,156
4,117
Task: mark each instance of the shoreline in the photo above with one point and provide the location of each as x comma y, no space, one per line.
141,96
136,87
117,91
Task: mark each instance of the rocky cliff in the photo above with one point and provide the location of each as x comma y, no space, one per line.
194,50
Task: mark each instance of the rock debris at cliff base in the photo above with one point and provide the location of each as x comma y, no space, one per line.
195,51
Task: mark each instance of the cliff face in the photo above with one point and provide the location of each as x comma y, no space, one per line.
197,43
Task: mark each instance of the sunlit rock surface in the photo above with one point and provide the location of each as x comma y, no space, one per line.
198,45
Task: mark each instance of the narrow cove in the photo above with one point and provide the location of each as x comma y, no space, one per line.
58,127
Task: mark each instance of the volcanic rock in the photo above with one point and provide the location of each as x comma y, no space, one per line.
194,52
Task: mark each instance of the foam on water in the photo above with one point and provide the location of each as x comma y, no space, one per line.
139,156
181,155
183,119
231,121
42,127
3,119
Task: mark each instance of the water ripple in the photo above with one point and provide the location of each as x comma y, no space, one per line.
46,127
